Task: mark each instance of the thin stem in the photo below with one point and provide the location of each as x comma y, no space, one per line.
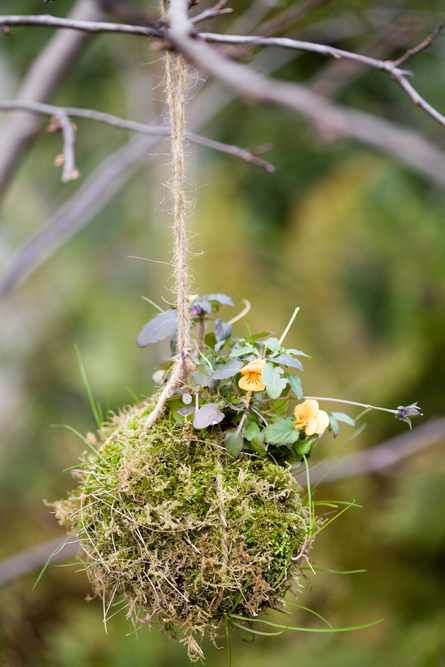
360,405
289,325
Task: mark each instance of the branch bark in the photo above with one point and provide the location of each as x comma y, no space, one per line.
39,84
64,113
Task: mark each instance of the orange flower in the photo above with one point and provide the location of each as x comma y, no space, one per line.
309,417
251,380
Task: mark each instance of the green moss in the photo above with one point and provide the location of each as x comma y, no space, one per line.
168,519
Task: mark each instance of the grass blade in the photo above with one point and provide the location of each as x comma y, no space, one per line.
87,387
56,550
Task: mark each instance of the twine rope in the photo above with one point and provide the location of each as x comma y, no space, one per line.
175,69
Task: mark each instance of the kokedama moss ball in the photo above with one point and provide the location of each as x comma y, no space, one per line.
185,532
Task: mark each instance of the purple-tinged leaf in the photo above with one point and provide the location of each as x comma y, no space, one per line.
160,326
186,410
223,331
229,370
287,360
223,299
208,415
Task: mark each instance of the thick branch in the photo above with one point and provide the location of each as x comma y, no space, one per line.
341,122
197,56
63,113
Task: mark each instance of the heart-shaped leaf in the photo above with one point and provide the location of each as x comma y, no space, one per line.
160,326
208,415
271,376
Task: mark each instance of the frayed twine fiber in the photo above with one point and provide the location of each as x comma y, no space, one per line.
175,69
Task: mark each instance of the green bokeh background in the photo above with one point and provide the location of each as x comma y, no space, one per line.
351,236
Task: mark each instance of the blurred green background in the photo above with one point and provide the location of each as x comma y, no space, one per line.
354,238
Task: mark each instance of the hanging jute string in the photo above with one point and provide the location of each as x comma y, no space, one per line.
176,83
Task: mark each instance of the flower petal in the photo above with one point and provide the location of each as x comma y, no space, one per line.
322,420
312,408
254,366
311,426
252,382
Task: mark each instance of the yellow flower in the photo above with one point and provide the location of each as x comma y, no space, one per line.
309,417
251,380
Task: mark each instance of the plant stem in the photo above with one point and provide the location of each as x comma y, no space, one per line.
289,325
360,405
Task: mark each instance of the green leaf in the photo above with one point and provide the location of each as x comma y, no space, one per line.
333,423
272,380
250,430
160,326
343,417
258,336
287,360
279,407
273,344
295,384
298,353
234,442
210,340
257,444
282,432
304,448
240,351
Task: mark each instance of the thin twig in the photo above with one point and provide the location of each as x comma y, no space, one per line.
421,47
69,172
91,26
40,82
121,123
298,45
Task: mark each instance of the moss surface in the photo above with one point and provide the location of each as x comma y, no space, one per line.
182,530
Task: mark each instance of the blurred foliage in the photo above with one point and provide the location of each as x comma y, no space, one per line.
352,237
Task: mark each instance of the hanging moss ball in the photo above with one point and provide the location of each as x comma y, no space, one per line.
181,530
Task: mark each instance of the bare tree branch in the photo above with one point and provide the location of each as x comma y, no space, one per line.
35,558
39,84
380,458
69,173
95,27
421,47
339,121
398,75
64,113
